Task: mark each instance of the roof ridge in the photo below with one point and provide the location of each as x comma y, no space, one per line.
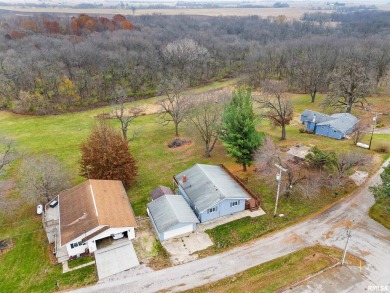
171,204
221,195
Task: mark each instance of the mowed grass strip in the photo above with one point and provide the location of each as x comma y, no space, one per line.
281,272
380,212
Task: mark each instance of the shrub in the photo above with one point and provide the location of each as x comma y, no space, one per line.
382,148
302,130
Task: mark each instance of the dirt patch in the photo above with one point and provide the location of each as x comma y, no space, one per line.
343,224
143,242
178,142
328,235
5,246
359,177
294,238
52,257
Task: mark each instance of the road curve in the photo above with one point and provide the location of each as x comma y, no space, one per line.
370,241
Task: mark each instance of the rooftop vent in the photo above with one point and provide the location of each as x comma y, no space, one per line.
184,178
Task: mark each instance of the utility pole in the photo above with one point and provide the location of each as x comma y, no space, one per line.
279,179
373,128
346,245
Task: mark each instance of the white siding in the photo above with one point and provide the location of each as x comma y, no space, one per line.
178,230
91,243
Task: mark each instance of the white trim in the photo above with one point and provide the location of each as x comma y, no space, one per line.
93,198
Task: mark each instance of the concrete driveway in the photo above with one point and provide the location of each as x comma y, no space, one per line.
370,241
115,258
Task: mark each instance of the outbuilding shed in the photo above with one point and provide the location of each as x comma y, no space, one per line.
171,216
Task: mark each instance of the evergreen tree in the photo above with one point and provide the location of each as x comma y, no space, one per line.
105,155
238,131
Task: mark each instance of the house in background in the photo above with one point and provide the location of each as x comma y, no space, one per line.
335,126
171,216
91,213
212,192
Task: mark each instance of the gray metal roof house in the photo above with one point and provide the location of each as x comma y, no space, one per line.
336,126
211,191
171,216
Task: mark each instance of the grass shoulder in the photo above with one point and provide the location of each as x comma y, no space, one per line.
380,212
294,267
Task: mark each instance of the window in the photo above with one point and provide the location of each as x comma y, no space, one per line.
76,244
234,203
212,210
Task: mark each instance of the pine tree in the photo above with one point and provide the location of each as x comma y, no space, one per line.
238,131
105,155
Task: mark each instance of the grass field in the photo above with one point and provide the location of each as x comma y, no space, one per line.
380,212
61,135
267,277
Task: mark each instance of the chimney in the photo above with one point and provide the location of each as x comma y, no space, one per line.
184,178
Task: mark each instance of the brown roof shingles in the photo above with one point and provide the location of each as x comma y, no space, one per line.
77,208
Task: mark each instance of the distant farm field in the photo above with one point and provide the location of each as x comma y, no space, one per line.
290,12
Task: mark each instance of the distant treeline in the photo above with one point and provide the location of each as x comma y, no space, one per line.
77,66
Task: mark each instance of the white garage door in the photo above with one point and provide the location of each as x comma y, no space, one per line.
177,230
116,258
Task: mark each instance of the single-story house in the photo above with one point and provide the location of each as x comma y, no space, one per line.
91,212
336,126
211,191
160,191
171,216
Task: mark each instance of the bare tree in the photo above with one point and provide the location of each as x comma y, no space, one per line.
186,58
279,108
122,114
43,177
7,153
359,132
346,160
266,157
349,85
176,106
206,117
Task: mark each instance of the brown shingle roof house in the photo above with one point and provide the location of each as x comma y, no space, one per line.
92,211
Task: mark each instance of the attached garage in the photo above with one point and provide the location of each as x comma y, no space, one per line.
171,216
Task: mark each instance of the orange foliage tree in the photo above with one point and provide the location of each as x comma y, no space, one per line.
30,25
105,155
51,27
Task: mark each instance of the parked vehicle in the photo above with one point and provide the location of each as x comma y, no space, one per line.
117,236
39,209
54,203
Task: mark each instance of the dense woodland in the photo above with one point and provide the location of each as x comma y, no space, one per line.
57,64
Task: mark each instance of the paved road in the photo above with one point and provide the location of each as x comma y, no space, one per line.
370,241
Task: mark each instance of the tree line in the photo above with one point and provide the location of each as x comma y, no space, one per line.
48,72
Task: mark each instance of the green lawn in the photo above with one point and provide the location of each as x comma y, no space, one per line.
26,268
61,135
277,274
